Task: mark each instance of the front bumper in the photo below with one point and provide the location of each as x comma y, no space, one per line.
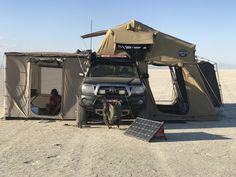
94,103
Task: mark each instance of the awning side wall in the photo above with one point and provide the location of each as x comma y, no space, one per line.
16,103
199,101
72,82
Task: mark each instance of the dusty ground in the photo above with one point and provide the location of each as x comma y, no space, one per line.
46,148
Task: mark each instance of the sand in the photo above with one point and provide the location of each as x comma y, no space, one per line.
59,148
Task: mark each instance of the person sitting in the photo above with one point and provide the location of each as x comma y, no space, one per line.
54,103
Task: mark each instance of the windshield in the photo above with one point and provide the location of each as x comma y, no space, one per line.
114,71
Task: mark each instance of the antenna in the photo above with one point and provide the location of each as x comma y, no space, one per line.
91,39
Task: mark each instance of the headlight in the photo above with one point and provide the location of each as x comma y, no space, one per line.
102,92
87,89
137,89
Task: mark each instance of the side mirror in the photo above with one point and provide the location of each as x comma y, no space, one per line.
81,74
145,76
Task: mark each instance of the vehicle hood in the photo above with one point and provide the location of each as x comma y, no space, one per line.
115,80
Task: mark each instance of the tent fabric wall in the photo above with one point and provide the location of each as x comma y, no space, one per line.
107,46
208,75
167,49
16,84
199,101
21,72
72,82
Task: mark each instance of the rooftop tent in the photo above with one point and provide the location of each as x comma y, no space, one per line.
192,99
29,78
161,47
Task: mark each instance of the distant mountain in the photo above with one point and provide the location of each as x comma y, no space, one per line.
226,66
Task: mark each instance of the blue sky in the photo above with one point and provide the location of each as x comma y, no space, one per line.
56,25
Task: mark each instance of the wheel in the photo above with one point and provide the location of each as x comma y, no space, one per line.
82,118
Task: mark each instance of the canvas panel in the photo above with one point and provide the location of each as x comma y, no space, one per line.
107,46
16,103
208,75
167,49
129,37
72,82
199,101
149,110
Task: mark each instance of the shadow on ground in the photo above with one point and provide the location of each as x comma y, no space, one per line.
228,110
223,123
190,136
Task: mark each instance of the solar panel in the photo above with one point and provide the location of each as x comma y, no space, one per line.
145,129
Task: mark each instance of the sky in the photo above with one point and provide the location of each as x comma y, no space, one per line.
56,25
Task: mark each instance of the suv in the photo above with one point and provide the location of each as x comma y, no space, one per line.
111,79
